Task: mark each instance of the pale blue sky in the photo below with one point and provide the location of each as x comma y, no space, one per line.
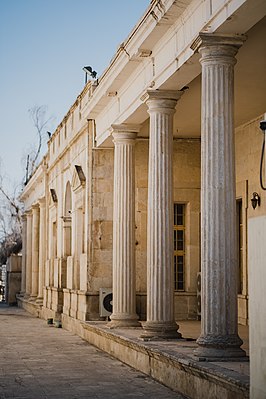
43,46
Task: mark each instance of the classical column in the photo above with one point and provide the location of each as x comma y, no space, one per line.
35,250
42,248
29,253
160,271
219,333
124,285
24,251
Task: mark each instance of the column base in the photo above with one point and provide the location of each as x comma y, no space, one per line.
39,300
32,298
220,348
160,330
122,320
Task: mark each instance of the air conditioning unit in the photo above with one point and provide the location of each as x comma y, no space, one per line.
199,296
105,302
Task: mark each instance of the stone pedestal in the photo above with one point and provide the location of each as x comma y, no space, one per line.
124,287
35,250
160,272
219,332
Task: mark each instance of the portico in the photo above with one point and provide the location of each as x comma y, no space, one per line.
148,186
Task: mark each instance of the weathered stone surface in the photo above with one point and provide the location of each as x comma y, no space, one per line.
124,274
219,336
54,363
160,273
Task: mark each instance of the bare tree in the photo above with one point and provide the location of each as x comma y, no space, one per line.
10,221
40,122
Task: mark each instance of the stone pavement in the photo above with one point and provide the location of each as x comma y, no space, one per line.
38,361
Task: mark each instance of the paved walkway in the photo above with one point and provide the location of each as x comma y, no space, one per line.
38,361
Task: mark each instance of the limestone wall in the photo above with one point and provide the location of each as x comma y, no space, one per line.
186,171
13,278
249,139
257,305
186,190
248,144
100,265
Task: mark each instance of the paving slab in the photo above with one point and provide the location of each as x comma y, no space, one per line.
38,361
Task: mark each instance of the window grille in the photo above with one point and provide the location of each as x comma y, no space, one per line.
179,247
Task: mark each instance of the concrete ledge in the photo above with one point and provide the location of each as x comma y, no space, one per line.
31,307
169,362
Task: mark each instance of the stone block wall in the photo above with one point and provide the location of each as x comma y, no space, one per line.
186,190
13,278
248,143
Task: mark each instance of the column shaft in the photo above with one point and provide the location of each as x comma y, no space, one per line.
35,250
29,253
42,247
219,335
24,251
124,286
160,272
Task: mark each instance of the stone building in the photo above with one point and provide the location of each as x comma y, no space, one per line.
165,144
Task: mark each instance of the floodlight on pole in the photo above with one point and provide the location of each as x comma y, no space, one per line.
89,71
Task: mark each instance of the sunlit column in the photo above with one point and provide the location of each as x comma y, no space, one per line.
35,250
124,286
219,333
160,272
42,248
24,251
29,253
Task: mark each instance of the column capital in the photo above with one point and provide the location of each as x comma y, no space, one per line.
41,202
124,133
35,210
213,46
28,213
162,100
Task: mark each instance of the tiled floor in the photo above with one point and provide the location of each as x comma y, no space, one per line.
40,362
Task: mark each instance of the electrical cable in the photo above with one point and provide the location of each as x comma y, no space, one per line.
261,164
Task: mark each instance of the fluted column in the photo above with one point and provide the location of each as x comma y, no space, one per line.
24,251
29,253
42,248
160,272
219,332
35,250
124,279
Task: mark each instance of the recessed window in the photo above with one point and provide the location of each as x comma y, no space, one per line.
179,247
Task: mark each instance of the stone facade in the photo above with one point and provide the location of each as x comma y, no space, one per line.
13,278
165,144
